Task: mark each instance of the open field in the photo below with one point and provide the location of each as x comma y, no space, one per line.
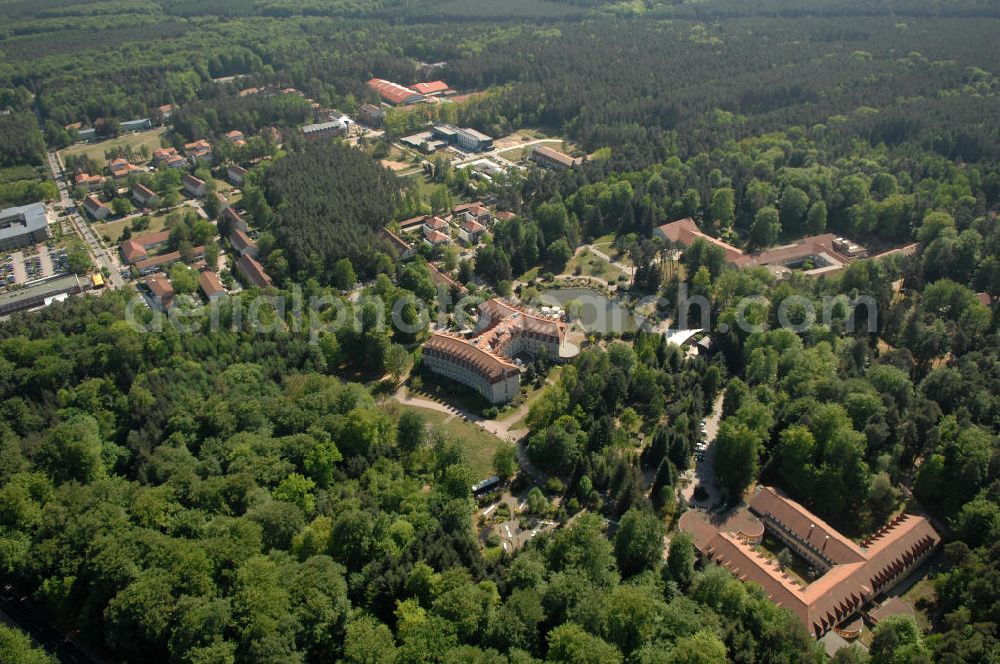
480,445
151,139
589,264
114,229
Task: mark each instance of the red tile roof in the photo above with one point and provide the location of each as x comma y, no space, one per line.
210,285
253,271
431,87
856,573
392,92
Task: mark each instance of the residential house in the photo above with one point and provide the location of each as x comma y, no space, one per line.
393,93
236,174
23,224
161,155
253,271
199,151
242,243
236,138
162,291
371,115
145,196
479,212
402,247
208,282
98,210
192,185
235,220
137,248
121,168
223,201
88,182
436,238
471,231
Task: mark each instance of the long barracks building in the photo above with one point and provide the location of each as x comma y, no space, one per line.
851,575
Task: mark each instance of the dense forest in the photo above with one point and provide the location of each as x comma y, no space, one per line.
258,496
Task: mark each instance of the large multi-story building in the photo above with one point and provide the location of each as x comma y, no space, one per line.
849,576
484,360
469,140
24,224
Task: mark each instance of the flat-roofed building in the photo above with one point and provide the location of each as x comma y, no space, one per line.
23,225
331,129
467,139
39,294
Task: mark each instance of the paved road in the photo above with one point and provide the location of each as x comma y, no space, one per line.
98,252
703,473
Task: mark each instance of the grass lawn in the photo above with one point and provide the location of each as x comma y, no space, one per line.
151,139
591,265
798,570
114,229
480,444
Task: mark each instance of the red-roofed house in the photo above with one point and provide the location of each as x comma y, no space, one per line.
242,243
98,210
235,220
163,291
236,174
193,185
88,182
145,196
137,248
210,285
471,231
200,150
253,271
436,238
402,247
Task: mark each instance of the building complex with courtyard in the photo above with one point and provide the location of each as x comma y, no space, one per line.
848,576
485,360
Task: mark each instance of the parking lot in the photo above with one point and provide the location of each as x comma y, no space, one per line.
38,262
